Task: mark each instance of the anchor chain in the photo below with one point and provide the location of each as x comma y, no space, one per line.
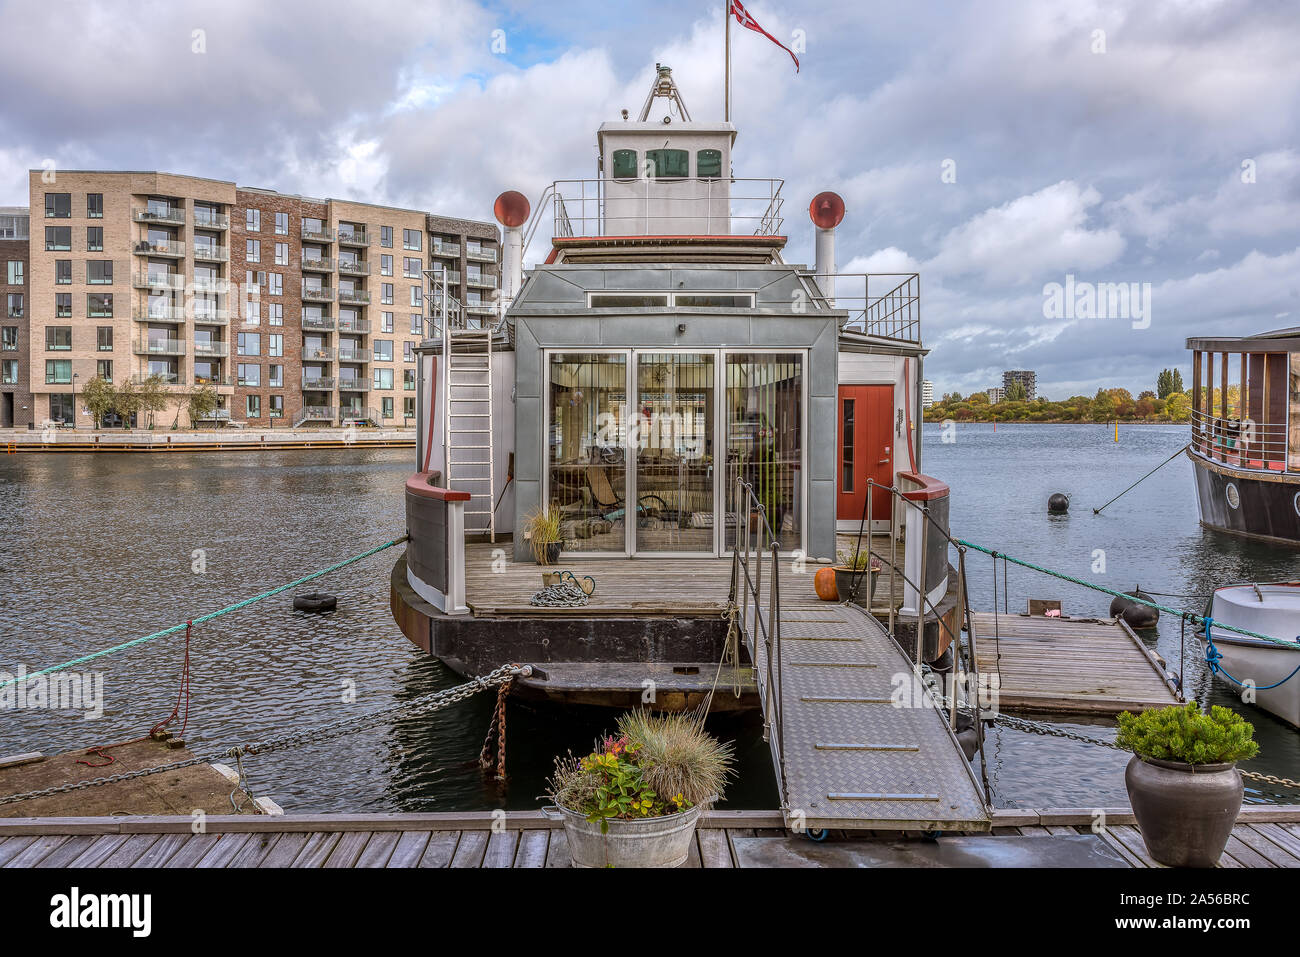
565,594
497,732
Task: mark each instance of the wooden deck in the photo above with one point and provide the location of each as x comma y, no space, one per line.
1069,665
1265,836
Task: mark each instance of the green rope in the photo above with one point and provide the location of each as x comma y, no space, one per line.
1195,619
216,614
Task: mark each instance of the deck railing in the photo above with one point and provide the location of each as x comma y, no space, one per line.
1240,443
887,305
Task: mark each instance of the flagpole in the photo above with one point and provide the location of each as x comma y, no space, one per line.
726,81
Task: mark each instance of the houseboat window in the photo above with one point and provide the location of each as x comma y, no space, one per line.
625,164
715,300
708,164
846,432
629,300
764,402
669,163
586,437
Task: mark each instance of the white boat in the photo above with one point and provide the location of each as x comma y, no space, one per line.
1268,670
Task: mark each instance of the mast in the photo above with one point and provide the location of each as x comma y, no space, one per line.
726,77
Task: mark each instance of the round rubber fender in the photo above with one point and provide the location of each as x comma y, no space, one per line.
315,601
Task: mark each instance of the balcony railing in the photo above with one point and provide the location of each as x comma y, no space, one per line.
885,305
486,282
316,413
323,383
213,349
367,416
167,378
318,353
153,280
361,326
354,267
322,235
317,264
159,247
216,415
217,284
214,380
159,347
356,355
356,297
321,294
206,220
318,323
453,276
480,309
446,250
158,313
210,253
1240,443
212,317
355,237
353,385
172,215
486,255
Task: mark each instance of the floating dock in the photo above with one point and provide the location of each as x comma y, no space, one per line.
1265,836
1084,666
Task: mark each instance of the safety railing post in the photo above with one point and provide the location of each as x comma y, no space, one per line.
920,605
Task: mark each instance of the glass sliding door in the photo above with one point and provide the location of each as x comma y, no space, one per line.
764,410
586,442
673,443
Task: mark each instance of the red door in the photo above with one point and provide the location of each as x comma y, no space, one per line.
866,449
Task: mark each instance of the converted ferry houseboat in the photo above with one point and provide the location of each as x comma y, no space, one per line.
660,354
1246,451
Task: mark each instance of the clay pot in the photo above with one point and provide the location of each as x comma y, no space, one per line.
1184,811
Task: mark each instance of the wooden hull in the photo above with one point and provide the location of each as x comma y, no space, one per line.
1267,506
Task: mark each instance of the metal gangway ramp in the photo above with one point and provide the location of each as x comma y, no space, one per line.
856,741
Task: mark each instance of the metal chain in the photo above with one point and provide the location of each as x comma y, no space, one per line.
419,706
566,594
497,733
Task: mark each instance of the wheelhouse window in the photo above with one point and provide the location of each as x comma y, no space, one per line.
708,164
624,164
714,300
626,300
669,164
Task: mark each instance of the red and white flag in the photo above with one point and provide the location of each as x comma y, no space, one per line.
749,23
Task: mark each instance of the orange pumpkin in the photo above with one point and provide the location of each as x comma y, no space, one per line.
824,582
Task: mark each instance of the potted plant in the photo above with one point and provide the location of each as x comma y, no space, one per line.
542,529
1182,780
855,576
635,800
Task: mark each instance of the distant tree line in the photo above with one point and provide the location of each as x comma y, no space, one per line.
1168,403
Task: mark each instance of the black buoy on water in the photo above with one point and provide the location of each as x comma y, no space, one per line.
1135,614
315,601
1058,504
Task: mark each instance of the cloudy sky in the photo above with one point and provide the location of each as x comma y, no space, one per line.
996,147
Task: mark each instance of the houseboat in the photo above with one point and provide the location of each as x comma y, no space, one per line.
1245,443
657,360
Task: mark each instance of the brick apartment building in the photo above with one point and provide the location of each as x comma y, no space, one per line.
15,394
295,310
1025,377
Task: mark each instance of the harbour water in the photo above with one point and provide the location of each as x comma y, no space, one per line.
98,549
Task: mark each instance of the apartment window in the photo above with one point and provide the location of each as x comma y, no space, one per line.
408,380
282,225
275,313
99,305
275,345
58,238
411,239
104,369
417,324
385,322
63,305
410,267
58,371
99,272
95,239
61,407
275,377
9,372
408,351
408,408
63,272
252,312
386,407
417,297
277,283
15,310
253,405
383,378
253,250
249,373
281,253
104,338
58,338
94,205
385,265
384,352
386,293
9,338
276,407
249,344
16,272
253,220
386,237
58,205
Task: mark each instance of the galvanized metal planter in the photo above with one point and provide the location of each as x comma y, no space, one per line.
648,842
1184,811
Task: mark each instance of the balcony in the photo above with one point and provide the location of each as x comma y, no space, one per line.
212,349
214,380
216,415
483,282
318,354
320,383
452,276
167,378
217,284
159,347
480,309
355,297
448,250
356,355
322,235
317,264
353,237
488,255
354,267
171,215
317,294
207,252
211,317
318,323
361,326
316,413
207,220
158,313
347,384
159,247
153,280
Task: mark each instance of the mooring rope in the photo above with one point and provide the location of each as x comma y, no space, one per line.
208,617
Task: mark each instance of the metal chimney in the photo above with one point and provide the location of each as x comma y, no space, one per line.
826,211
511,210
